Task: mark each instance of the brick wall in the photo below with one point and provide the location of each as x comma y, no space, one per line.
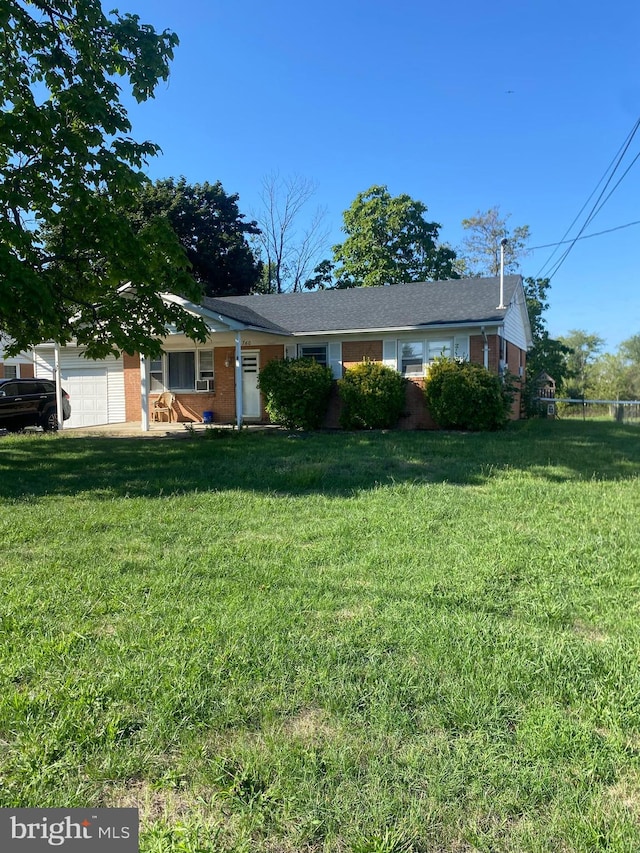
415,416
516,358
131,371
476,351
354,352
224,404
189,406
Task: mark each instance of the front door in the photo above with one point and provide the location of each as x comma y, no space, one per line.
250,390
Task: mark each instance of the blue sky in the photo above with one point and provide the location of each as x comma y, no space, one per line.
462,105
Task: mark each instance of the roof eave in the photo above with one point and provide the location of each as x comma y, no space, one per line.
382,330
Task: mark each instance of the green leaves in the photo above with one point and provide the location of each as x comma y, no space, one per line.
389,241
210,229
373,396
296,392
69,176
463,395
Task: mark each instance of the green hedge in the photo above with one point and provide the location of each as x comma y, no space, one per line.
373,396
462,395
296,392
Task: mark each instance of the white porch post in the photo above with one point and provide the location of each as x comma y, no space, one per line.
238,381
144,393
56,366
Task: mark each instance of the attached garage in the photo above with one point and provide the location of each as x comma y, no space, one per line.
88,391
96,388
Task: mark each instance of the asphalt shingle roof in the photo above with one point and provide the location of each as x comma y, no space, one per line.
430,303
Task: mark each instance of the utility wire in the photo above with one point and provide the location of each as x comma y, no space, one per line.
624,174
593,192
615,163
586,236
597,206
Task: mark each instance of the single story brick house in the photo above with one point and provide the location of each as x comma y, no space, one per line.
405,326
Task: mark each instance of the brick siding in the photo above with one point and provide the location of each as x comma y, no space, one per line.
131,371
355,352
191,405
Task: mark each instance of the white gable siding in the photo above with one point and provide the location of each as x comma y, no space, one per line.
514,329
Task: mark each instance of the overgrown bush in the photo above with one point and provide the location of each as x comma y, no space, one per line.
462,395
296,392
373,396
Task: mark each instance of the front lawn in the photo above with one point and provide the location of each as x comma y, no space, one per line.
335,642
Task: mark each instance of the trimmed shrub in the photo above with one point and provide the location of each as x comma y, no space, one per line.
462,395
296,392
373,396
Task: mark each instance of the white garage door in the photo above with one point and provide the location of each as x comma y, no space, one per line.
87,389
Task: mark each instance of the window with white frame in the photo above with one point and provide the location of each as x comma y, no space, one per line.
155,375
411,358
205,364
12,371
318,352
442,348
182,371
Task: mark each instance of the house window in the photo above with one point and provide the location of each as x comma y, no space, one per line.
181,370
205,365
317,353
184,371
155,375
440,349
11,371
412,353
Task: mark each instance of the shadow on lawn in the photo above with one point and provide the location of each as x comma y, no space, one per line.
322,463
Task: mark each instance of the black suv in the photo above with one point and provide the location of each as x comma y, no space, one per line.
31,402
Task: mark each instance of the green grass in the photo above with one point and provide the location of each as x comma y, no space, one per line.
334,642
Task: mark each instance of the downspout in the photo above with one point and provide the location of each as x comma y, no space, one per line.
144,393
238,381
485,348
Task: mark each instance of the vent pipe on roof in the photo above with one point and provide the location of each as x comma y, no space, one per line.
503,243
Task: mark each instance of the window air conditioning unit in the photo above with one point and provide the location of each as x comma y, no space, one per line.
205,384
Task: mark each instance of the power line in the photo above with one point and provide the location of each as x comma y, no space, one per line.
599,203
624,174
593,192
597,206
587,236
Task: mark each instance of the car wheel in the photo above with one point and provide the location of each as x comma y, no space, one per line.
50,420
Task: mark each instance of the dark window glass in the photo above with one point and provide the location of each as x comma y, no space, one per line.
182,370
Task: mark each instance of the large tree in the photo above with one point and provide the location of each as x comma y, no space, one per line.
616,376
584,349
211,230
480,250
389,241
68,167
